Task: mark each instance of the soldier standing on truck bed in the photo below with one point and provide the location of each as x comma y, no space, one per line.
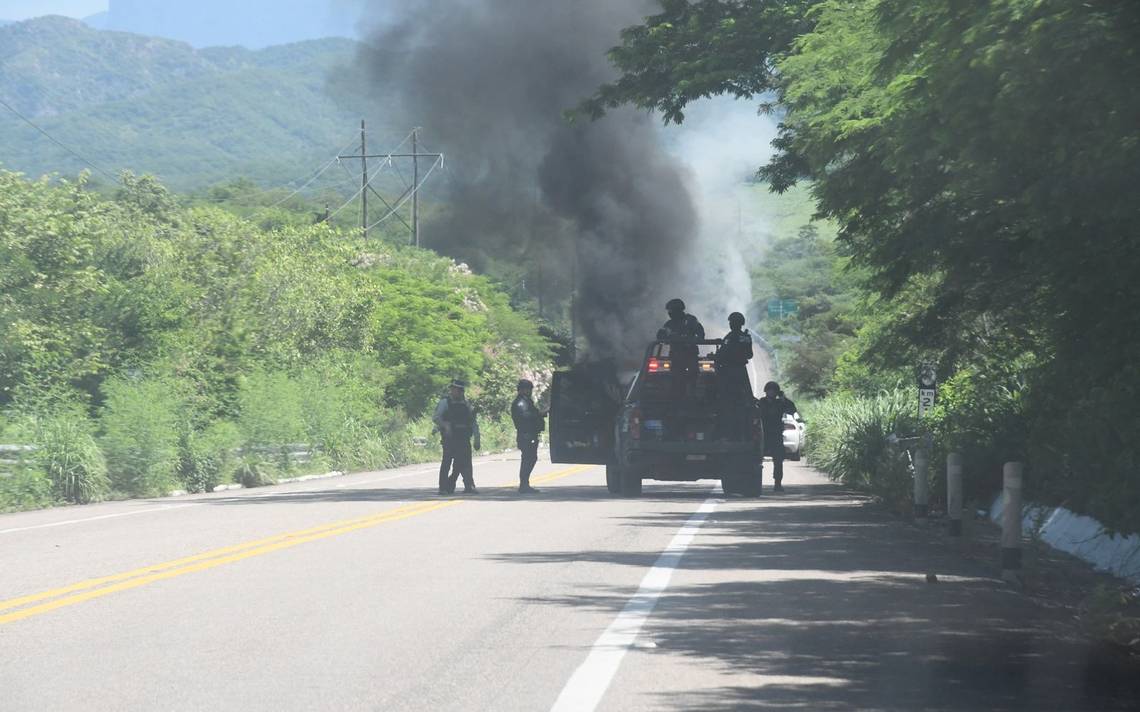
773,407
456,421
680,324
529,422
683,356
734,388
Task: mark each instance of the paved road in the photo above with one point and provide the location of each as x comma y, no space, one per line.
371,593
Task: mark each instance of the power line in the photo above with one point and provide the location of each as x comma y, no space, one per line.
319,173
377,194
57,142
407,195
358,193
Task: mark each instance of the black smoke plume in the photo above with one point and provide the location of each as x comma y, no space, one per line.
596,203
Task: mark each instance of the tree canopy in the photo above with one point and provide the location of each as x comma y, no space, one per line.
978,160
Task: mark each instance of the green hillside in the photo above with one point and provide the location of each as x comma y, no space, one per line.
192,117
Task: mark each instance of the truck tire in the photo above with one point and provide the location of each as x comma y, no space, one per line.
631,482
751,482
613,478
730,484
795,457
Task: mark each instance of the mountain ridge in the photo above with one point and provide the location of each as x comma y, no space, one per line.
191,116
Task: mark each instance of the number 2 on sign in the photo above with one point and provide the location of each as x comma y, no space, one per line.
925,400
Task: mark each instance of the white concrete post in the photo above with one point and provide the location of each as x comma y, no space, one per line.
1011,520
921,482
954,492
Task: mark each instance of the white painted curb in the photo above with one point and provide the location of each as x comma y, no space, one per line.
1081,536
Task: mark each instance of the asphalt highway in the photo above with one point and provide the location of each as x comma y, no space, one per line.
371,592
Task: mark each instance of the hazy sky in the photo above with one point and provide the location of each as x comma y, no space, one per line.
23,9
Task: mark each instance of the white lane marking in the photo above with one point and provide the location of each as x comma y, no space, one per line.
101,516
585,688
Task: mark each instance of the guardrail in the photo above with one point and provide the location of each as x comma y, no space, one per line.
13,455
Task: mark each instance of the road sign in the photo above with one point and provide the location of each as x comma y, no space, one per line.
927,388
780,308
925,400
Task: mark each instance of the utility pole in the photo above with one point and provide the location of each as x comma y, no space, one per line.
414,190
363,182
415,187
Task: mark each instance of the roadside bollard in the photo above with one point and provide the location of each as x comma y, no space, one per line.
921,485
1011,521
954,492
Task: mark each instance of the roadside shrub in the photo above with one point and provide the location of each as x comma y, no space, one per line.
70,458
208,458
25,487
140,435
980,414
848,436
270,410
270,418
341,410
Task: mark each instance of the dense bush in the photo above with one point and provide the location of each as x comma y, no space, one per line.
208,458
139,423
25,488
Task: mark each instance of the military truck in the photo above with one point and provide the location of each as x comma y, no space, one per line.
668,423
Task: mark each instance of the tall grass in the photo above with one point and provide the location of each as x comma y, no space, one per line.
67,453
848,436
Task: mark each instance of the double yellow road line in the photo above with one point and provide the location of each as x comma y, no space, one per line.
15,609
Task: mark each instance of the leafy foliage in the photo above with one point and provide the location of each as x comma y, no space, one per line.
976,159
140,435
189,332
694,50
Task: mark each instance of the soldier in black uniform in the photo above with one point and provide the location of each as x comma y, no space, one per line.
773,407
733,386
529,422
455,419
680,325
683,356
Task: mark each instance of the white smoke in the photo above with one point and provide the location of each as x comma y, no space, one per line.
722,143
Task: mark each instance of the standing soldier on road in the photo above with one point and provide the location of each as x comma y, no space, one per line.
732,374
457,425
773,407
529,422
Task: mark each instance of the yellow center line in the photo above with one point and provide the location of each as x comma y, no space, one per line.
563,473
96,587
219,561
92,583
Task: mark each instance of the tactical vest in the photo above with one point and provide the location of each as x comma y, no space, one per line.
458,415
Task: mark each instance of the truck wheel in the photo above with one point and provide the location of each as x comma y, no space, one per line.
750,483
613,479
795,457
730,484
631,482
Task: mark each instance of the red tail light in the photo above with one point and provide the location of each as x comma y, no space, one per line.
659,365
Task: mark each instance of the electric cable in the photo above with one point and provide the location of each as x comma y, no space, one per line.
408,194
57,142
